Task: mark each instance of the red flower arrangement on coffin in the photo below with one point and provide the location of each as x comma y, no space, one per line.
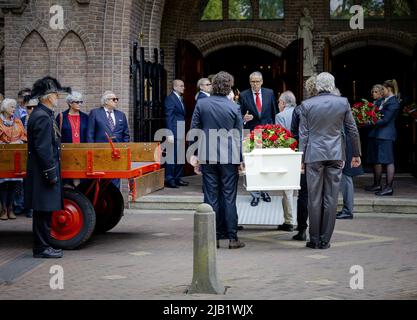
269,136
365,113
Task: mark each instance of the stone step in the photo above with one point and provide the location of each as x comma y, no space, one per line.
190,203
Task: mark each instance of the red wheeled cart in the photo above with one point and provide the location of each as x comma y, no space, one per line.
95,204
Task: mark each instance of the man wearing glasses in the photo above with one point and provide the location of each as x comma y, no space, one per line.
259,107
204,85
107,119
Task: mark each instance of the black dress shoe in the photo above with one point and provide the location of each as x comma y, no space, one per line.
239,227
387,191
254,202
182,183
324,245
344,215
300,236
49,253
170,185
286,227
312,245
236,244
373,188
265,197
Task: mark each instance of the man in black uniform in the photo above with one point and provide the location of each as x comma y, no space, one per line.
43,188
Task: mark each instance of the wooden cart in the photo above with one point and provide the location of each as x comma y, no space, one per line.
95,204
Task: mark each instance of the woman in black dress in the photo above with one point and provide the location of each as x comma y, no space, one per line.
381,142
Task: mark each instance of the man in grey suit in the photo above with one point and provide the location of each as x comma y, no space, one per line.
322,120
286,105
219,152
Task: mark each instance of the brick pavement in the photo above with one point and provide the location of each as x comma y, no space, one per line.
149,256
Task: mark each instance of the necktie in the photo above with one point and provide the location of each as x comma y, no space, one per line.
110,120
258,102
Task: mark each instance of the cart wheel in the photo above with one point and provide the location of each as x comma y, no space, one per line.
109,207
74,225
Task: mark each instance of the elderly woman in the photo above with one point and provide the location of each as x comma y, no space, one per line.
73,123
11,131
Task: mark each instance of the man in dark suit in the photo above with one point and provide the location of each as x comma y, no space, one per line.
258,107
43,188
321,124
204,86
106,119
220,161
175,119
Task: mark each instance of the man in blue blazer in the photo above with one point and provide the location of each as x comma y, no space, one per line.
204,86
175,118
258,107
106,119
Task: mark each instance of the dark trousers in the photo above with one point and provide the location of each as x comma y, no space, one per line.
220,191
173,171
323,180
18,203
41,227
302,204
7,191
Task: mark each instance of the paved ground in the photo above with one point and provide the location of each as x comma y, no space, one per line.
151,257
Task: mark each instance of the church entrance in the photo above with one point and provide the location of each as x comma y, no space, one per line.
357,70
241,61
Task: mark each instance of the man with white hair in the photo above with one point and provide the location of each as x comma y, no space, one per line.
286,105
106,119
204,86
321,123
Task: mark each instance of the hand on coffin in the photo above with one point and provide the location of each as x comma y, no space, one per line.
242,169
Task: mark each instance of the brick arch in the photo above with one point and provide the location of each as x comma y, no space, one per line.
80,33
72,64
267,41
397,40
33,60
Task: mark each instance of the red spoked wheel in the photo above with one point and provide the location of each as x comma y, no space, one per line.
109,206
74,225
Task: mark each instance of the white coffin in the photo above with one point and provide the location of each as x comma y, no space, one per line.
272,169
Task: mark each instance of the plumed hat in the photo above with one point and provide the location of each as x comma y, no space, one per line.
46,86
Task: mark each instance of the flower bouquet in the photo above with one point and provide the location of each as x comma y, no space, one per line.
269,136
365,113
410,111
271,160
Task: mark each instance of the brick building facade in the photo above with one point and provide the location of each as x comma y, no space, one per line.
92,52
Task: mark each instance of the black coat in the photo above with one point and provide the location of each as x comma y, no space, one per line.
269,108
44,162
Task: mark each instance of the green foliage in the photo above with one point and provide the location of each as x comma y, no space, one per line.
240,9
213,10
401,8
339,9
271,9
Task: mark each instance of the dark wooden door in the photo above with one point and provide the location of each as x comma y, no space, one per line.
414,123
327,56
189,68
292,69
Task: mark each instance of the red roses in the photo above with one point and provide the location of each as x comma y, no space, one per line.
365,113
270,136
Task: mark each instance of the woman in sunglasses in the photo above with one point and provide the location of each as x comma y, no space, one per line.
73,122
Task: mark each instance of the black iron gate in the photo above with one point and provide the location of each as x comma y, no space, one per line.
149,92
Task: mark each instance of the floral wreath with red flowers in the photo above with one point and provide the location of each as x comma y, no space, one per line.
365,113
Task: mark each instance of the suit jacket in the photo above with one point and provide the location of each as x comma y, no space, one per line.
201,95
269,107
284,118
66,130
321,124
218,112
348,170
295,122
44,162
385,127
98,126
174,112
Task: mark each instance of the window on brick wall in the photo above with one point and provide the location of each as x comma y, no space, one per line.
271,9
339,9
213,10
241,9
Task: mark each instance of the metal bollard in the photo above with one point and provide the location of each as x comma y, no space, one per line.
205,278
